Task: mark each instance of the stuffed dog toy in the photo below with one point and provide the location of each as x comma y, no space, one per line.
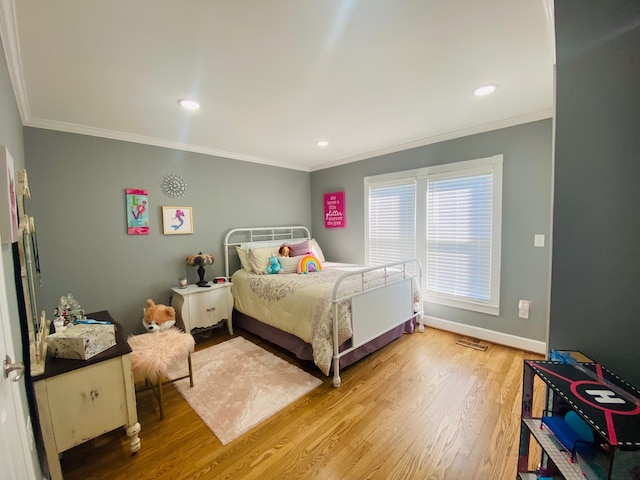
158,318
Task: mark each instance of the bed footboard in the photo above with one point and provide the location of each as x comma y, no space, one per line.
380,306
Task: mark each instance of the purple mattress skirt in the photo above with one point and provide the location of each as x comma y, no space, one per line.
303,350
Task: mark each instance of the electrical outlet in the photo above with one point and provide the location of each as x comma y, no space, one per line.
523,308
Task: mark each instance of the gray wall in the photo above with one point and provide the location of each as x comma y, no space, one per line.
596,277
526,211
78,200
11,136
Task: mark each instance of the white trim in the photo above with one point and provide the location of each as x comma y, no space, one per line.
9,35
551,211
492,336
487,127
551,29
156,142
481,164
464,304
25,441
127,137
485,165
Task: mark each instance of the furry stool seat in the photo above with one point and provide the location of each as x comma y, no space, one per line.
152,355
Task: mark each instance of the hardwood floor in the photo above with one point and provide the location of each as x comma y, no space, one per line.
423,408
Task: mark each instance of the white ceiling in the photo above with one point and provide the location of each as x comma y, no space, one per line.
275,76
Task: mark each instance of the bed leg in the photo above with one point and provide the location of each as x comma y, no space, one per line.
336,372
420,323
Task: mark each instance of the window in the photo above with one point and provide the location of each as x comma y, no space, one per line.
392,221
450,218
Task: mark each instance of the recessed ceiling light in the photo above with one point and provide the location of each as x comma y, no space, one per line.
189,104
485,90
322,143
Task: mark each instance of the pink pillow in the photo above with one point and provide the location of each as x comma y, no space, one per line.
298,249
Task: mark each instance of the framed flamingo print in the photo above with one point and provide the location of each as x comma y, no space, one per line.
177,220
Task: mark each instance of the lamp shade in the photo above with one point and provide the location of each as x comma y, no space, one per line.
199,259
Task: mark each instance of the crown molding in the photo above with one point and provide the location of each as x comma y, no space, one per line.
156,142
127,137
9,34
487,127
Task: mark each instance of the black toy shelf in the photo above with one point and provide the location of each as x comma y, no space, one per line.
607,407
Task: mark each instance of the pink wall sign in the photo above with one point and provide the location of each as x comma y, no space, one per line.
334,210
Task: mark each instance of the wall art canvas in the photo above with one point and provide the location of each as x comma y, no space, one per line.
8,198
177,220
137,212
334,210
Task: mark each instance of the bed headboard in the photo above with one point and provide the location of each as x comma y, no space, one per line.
240,236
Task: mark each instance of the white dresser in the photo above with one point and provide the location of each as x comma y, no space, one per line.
203,307
78,400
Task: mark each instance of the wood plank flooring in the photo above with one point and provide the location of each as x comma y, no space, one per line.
423,408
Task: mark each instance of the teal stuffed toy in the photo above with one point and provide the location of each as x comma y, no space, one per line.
274,265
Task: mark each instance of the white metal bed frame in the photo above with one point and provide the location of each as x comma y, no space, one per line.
375,310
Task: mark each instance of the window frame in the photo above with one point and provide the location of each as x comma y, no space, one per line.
493,164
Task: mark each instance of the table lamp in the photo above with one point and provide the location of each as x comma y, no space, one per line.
200,260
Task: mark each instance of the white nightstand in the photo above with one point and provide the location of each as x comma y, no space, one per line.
202,307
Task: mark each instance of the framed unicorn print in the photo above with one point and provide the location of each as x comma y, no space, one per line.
177,220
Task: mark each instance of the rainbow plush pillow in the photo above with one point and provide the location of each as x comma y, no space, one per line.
309,264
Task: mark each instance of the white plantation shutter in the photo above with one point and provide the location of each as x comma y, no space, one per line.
391,221
447,216
459,236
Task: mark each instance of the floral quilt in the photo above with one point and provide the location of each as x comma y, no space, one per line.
300,304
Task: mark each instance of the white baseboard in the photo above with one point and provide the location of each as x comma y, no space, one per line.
487,335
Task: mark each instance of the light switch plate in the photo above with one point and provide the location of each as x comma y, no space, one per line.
538,240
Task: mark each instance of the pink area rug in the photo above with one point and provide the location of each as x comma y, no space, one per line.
237,385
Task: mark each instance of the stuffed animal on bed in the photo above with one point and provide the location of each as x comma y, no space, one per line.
309,264
158,318
274,265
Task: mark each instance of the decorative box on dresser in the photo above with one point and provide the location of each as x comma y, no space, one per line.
78,400
203,307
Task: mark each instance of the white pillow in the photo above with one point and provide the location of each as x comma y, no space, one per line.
316,250
269,243
243,251
259,258
289,264
243,255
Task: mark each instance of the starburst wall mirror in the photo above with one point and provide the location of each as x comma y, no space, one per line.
173,186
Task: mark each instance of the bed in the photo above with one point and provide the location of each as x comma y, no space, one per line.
333,315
